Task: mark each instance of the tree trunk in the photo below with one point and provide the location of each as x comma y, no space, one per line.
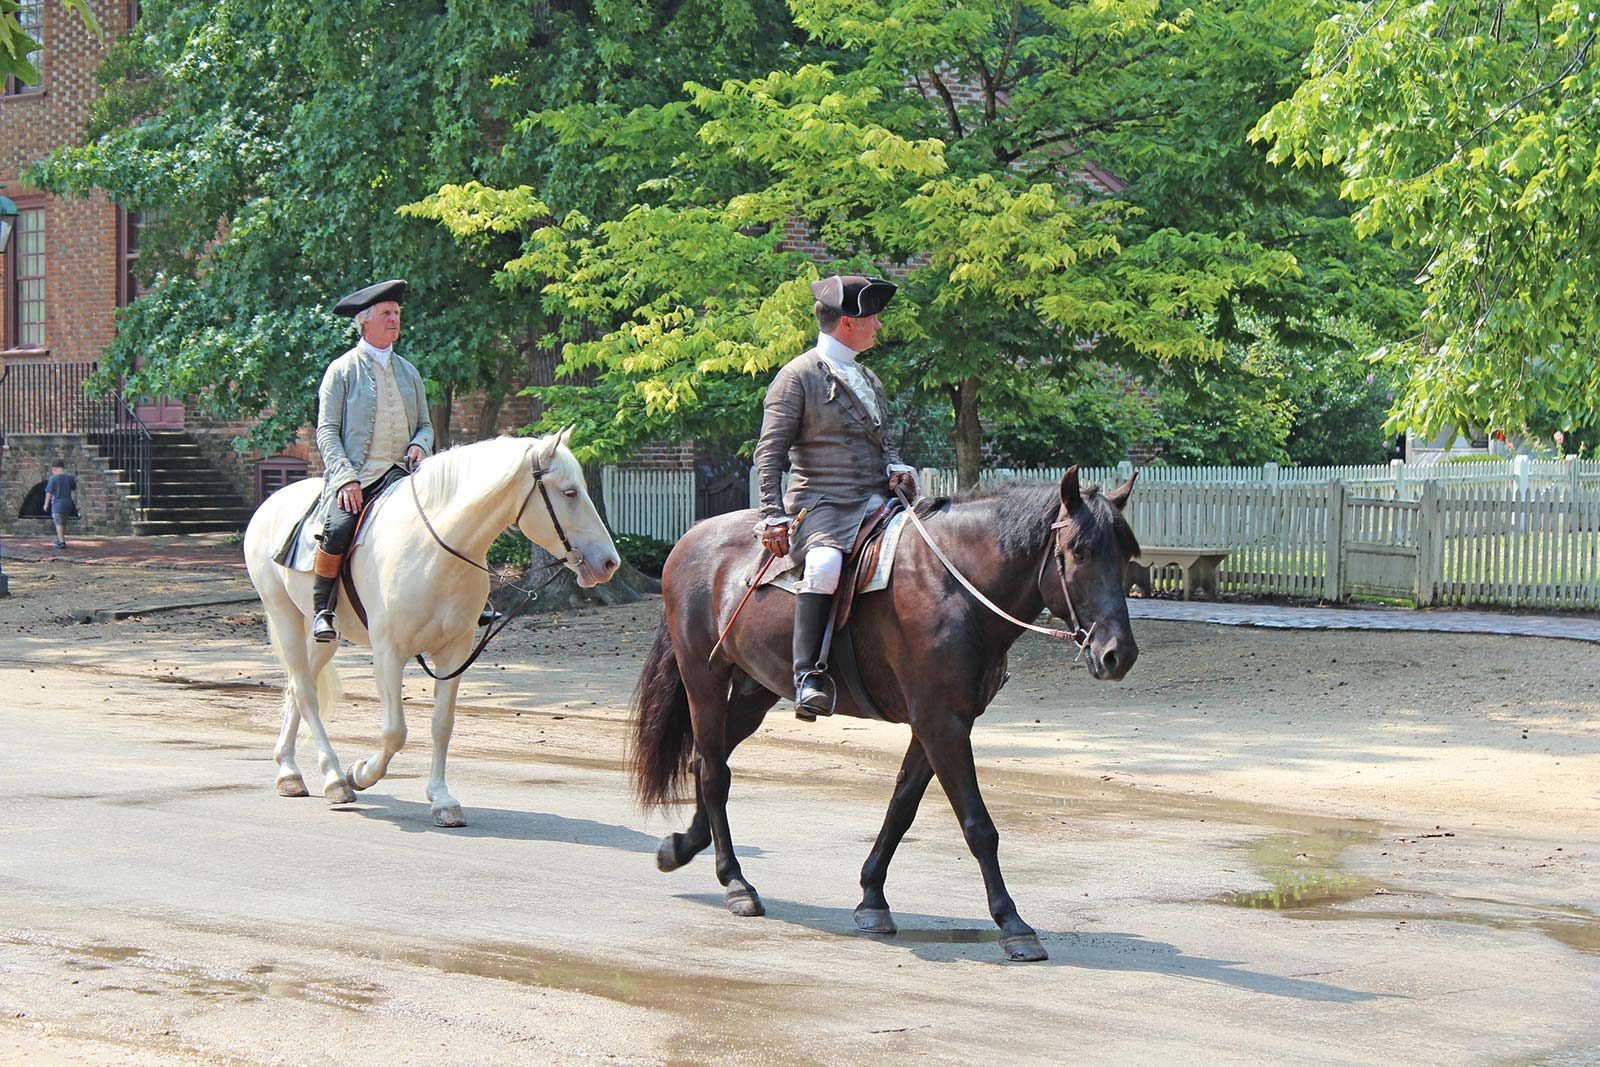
494,398
440,414
968,434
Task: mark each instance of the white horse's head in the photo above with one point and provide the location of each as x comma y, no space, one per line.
564,507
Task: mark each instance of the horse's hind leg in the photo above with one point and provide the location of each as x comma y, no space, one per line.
746,709
872,914
387,669
305,666
290,782
948,745
709,706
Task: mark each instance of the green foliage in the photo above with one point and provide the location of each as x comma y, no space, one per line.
646,553
270,146
15,45
1469,133
1016,276
511,550
1093,423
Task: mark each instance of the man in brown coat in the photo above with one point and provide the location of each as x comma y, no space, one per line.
823,419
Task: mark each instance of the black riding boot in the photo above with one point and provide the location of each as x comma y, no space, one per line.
322,628
813,689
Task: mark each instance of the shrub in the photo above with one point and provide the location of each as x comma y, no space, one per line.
646,553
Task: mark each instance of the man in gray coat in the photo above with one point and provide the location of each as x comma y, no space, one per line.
372,426
823,419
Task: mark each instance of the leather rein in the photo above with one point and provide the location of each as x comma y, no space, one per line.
1077,635
573,557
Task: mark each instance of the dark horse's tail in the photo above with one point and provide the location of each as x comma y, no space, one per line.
663,735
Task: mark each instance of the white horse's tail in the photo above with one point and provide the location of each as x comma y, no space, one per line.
329,689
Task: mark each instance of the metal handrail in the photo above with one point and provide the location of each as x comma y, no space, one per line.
48,397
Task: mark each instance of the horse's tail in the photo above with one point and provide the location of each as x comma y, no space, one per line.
663,735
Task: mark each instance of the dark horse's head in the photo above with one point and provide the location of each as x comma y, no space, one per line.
1082,578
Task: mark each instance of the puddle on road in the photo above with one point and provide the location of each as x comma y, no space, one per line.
703,1003
1307,883
165,976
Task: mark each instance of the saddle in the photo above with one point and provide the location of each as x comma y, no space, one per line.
862,561
347,581
859,566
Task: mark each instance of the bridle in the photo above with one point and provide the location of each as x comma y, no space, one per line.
1077,635
573,559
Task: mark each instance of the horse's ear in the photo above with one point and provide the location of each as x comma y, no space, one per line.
546,451
1070,497
1119,495
566,435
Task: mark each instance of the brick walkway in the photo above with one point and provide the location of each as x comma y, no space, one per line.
1275,616
201,551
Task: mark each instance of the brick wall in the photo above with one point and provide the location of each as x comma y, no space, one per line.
102,508
81,251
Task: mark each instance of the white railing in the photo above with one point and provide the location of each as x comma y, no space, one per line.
657,504
1523,533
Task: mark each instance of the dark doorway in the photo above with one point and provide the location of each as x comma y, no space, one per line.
33,505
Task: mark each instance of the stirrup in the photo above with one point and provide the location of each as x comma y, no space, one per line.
322,628
814,695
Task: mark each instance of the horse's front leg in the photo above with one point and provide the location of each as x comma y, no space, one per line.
872,914
746,708
948,744
446,808
388,667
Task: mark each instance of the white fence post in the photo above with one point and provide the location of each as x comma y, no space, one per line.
1124,471
1333,564
1397,470
1269,474
1430,547
755,488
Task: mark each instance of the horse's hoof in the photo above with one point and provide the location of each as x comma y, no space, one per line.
875,921
338,793
449,816
292,787
1024,948
743,900
350,777
667,854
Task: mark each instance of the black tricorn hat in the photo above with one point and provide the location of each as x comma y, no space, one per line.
361,299
854,295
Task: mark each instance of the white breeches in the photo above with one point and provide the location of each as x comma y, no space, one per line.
823,565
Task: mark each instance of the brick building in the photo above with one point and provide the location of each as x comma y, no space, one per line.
67,269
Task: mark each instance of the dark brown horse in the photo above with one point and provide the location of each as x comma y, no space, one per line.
933,657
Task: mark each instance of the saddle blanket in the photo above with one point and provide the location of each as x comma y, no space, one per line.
789,577
303,557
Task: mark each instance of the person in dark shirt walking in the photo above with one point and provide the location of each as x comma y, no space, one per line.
58,498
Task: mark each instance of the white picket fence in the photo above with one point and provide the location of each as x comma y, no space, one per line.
657,504
1456,545
1524,533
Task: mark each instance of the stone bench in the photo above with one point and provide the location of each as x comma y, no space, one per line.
1199,565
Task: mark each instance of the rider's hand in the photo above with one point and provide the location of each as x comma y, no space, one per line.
414,455
350,497
904,480
775,539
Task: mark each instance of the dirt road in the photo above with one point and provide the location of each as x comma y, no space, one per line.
1326,848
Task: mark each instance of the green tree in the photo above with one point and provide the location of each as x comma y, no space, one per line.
269,146
1016,272
16,46
1470,133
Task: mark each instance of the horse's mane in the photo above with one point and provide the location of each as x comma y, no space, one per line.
1020,514
473,471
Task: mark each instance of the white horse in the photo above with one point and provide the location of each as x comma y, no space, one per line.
418,597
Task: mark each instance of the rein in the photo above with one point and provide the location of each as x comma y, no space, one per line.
1077,635
573,556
